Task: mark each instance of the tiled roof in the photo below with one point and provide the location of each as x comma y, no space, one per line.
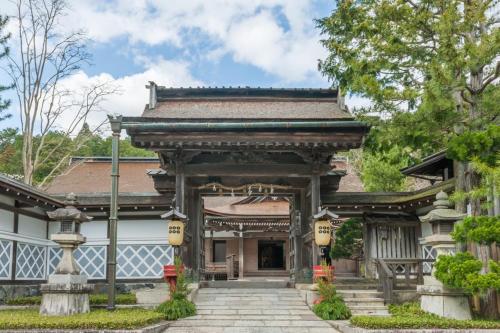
92,175
236,206
246,103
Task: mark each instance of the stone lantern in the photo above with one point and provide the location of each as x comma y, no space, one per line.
66,291
435,297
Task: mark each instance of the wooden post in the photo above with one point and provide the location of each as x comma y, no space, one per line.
115,123
241,257
315,203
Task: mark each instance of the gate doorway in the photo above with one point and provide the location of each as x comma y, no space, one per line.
271,255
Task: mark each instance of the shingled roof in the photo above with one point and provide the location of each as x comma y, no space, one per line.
245,103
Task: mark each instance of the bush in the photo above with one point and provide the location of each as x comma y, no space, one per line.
409,315
331,306
333,309
176,308
96,319
95,299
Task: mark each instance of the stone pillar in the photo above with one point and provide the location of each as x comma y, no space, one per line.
241,257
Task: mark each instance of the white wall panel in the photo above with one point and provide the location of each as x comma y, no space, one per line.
32,227
94,229
142,229
6,200
6,220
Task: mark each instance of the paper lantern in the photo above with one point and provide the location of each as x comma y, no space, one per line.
175,232
322,232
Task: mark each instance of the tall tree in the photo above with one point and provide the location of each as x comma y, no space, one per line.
4,51
42,57
439,58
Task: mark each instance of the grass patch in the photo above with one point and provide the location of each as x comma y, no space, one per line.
95,299
96,319
409,315
176,309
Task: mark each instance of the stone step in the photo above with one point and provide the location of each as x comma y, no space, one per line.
252,291
236,284
363,301
250,323
250,307
369,310
210,316
360,293
361,286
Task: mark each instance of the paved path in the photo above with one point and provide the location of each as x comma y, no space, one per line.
251,311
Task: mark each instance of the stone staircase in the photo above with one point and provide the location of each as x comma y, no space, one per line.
361,296
263,310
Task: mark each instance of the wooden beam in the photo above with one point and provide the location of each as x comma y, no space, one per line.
243,170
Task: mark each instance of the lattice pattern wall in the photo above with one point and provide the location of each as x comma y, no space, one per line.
5,259
91,259
142,261
30,261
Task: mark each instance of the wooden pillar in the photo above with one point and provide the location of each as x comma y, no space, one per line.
298,243
241,257
180,186
315,203
195,215
14,243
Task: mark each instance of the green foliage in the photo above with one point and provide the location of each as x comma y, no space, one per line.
453,270
482,145
4,51
421,322
407,309
484,230
462,270
176,308
96,319
59,147
334,309
346,239
410,315
94,299
380,174
331,306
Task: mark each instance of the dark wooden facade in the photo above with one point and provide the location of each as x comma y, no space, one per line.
235,137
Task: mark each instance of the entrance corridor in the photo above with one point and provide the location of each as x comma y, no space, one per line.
240,310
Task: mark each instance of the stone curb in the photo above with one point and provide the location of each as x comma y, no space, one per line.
345,327
156,328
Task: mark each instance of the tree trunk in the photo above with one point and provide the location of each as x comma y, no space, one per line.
27,152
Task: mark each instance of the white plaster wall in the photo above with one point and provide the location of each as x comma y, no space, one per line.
6,200
6,220
32,227
426,229
95,229
54,228
142,229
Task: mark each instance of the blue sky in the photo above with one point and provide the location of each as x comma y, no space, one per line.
193,43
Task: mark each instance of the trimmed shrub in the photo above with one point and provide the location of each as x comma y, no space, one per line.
94,299
333,309
176,308
409,315
96,319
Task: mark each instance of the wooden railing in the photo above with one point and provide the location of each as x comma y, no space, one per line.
221,271
401,273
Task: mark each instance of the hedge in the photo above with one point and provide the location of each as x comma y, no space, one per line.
96,319
410,315
95,299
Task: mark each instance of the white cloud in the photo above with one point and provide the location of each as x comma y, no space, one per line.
250,31
133,95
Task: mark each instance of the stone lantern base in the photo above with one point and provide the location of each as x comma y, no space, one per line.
65,294
443,301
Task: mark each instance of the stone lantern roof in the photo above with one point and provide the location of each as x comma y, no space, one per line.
69,212
442,210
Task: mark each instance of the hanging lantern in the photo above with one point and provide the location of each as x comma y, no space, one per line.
175,232
322,232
